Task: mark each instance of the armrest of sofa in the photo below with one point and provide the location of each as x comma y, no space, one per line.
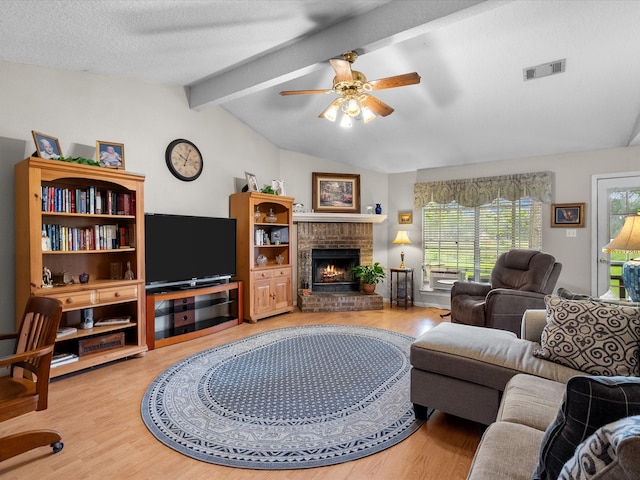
533,322
472,289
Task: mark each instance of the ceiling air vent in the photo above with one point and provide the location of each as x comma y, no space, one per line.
545,69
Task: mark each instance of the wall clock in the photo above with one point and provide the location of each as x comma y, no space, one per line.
184,160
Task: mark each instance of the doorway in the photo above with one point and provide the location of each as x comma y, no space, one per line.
614,197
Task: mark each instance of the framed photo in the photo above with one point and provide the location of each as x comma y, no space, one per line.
252,182
405,218
570,215
110,154
46,145
278,187
336,193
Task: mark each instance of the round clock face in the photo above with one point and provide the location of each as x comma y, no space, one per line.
184,160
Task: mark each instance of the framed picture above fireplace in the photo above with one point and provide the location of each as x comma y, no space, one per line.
336,192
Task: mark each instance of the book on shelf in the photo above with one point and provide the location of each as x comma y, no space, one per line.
64,331
63,358
105,322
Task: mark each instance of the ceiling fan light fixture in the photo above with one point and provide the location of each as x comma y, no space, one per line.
351,107
346,121
367,114
332,113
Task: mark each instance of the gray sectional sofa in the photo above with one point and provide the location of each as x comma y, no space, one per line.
528,390
463,370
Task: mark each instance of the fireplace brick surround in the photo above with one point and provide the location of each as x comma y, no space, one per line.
335,235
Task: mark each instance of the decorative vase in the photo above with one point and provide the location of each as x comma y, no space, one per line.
84,278
256,214
378,208
279,259
261,260
271,217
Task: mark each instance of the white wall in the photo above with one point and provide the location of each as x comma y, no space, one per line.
572,184
80,108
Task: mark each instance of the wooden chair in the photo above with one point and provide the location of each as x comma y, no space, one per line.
26,387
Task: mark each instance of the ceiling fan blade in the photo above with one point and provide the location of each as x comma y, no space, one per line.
342,69
376,106
303,92
395,81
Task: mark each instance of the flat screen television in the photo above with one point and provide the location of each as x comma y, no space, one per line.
188,251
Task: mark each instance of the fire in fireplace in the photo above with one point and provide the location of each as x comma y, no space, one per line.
331,269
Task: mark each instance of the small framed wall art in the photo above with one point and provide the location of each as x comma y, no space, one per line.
336,192
405,218
46,145
568,215
110,154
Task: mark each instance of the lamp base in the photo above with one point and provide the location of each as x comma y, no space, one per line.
631,279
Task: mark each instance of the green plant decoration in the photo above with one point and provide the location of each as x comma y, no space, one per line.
369,274
80,160
269,190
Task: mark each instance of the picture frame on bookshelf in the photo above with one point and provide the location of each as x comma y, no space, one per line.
278,187
47,146
336,192
252,182
110,154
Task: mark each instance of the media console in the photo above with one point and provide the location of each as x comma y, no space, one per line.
179,314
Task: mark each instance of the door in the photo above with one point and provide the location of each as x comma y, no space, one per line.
614,197
282,291
261,297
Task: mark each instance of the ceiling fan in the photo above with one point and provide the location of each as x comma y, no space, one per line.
353,87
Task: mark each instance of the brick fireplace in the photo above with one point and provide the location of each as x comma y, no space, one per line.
336,237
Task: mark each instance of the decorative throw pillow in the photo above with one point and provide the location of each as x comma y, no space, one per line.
589,403
593,337
612,452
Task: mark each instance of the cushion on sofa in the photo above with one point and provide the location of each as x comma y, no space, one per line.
531,401
485,356
589,403
507,451
596,338
612,452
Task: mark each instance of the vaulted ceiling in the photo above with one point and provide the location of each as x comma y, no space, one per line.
473,104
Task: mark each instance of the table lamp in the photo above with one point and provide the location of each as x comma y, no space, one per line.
628,240
403,239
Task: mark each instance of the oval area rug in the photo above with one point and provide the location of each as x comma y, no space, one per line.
289,398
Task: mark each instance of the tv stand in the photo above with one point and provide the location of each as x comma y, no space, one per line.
176,315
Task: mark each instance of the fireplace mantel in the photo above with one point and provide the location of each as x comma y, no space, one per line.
338,218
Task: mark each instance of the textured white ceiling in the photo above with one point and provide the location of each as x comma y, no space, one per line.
471,106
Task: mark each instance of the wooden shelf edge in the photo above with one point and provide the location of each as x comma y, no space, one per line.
197,334
98,358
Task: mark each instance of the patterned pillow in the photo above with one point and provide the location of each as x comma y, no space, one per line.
589,403
596,338
612,452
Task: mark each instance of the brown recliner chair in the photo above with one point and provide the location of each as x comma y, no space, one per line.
520,280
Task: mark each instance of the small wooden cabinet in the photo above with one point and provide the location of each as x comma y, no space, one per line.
61,228
264,226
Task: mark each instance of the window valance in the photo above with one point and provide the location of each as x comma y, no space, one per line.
473,192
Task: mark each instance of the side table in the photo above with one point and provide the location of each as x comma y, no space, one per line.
408,287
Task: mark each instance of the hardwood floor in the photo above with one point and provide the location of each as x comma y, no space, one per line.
98,413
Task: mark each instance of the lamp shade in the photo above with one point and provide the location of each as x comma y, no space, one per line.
628,240
402,238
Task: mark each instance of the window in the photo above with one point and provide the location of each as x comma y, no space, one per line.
470,239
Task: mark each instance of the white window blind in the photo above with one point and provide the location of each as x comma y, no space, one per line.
470,239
